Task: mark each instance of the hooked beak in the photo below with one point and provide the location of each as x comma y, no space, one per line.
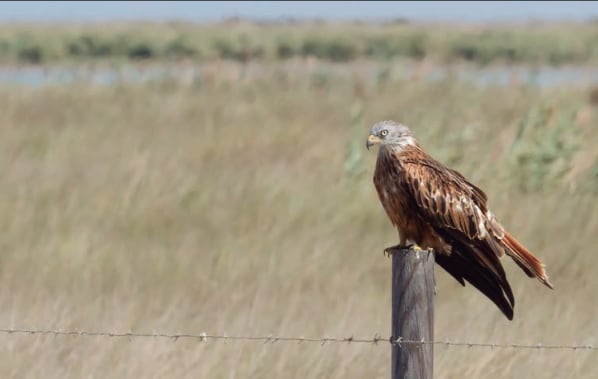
371,141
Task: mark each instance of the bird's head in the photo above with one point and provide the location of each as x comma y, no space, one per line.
390,134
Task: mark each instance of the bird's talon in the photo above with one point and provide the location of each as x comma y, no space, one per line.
415,247
389,251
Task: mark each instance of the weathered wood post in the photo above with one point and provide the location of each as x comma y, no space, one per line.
412,313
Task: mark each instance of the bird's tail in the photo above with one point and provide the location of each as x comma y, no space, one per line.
532,266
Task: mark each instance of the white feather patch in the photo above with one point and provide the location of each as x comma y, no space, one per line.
481,226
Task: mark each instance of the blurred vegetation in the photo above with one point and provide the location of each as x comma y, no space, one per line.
243,204
553,43
238,199
544,146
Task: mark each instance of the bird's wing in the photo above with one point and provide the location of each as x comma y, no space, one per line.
457,211
448,199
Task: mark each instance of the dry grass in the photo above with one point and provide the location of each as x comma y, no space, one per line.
246,207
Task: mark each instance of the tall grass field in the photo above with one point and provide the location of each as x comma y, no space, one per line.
244,205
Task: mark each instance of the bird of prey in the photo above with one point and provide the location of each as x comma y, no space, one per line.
436,208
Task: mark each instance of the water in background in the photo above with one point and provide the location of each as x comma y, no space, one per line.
545,76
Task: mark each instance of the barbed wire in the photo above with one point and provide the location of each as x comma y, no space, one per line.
273,339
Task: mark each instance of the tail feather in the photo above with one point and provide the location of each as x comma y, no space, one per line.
465,267
480,267
525,259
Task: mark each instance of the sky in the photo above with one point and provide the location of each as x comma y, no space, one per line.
465,11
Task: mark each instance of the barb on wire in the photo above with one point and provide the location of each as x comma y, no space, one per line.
272,339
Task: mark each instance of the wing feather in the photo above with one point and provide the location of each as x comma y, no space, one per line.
448,199
457,211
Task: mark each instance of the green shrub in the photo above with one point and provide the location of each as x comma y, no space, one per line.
285,50
335,50
133,46
552,44
415,46
340,51
89,46
5,49
312,47
381,47
466,50
242,51
30,51
225,49
31,54
141,50
544,146
179,47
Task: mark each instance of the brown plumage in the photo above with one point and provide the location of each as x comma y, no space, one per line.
435,207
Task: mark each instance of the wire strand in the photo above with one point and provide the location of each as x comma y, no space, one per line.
273,338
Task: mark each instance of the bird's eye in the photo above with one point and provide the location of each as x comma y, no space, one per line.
384,133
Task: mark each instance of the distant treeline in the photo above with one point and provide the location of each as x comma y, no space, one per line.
552,43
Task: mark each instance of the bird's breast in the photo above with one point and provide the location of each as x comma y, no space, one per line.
390,184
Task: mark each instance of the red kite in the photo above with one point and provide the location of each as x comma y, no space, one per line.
436,208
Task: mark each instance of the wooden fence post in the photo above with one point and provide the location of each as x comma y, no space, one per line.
412,313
